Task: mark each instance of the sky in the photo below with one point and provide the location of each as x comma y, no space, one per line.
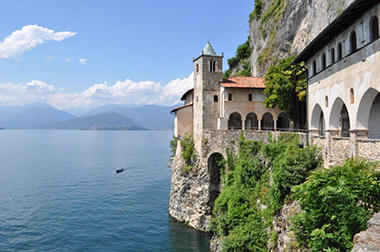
85,54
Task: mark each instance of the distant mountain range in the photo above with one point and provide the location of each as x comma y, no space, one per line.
33,116
109,117
150,116
106,121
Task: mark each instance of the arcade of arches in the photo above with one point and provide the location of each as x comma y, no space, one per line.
341,121
252,121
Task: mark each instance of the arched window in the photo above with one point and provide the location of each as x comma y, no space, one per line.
352,96
323,61
230,97
345,122
332,55
314,67
212,66
374,28
326,101
251,122
235,121
215,98
340,51
250,97
267,122
353,42
322,125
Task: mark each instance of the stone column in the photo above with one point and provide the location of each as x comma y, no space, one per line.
243,124
275,124
329,135
354,135
312,132
259,124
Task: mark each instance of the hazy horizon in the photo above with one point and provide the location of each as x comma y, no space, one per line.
123,52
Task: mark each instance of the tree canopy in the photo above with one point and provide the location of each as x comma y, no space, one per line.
286,89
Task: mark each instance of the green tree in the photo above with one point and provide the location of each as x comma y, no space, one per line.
173,146
336,205
286,88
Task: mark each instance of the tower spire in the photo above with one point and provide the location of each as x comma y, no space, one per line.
208,50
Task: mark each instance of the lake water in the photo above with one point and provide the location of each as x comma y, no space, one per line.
59,192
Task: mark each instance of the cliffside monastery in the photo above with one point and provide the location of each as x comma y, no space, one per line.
343,108
235,103
343,101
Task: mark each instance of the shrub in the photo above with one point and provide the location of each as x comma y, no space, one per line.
337,204
173,146
188,150
233,62
243,51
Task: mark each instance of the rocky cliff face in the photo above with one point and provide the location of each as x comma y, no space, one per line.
284,27
189,194
369,240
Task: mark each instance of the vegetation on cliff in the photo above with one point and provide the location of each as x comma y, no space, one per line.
240,61
269,15
188,152
336,203
286,89
249,201
173,146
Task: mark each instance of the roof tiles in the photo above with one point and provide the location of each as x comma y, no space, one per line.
243,82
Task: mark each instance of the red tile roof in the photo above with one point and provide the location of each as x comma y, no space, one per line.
184,106
243,82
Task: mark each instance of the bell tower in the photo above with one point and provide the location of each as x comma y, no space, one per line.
208,73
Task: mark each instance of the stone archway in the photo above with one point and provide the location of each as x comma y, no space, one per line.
215,164
368,117
235,122
344,122
251,122
267,122
283,122
318,120
340,118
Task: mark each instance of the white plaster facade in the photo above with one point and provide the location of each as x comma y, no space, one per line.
343,98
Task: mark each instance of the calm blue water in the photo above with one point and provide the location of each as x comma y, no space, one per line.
59,191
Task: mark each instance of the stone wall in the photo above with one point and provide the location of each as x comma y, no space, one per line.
369,148
218,141
336,150
339,151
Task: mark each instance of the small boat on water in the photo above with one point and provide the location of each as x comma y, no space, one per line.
119,170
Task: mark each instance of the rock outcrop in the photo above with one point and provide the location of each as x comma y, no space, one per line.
285,27
189,194
286,240
369,240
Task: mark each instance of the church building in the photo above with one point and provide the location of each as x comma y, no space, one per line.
236,103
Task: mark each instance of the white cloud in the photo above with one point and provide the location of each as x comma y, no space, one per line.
67,60
83,61
27,38
39,87
122,92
